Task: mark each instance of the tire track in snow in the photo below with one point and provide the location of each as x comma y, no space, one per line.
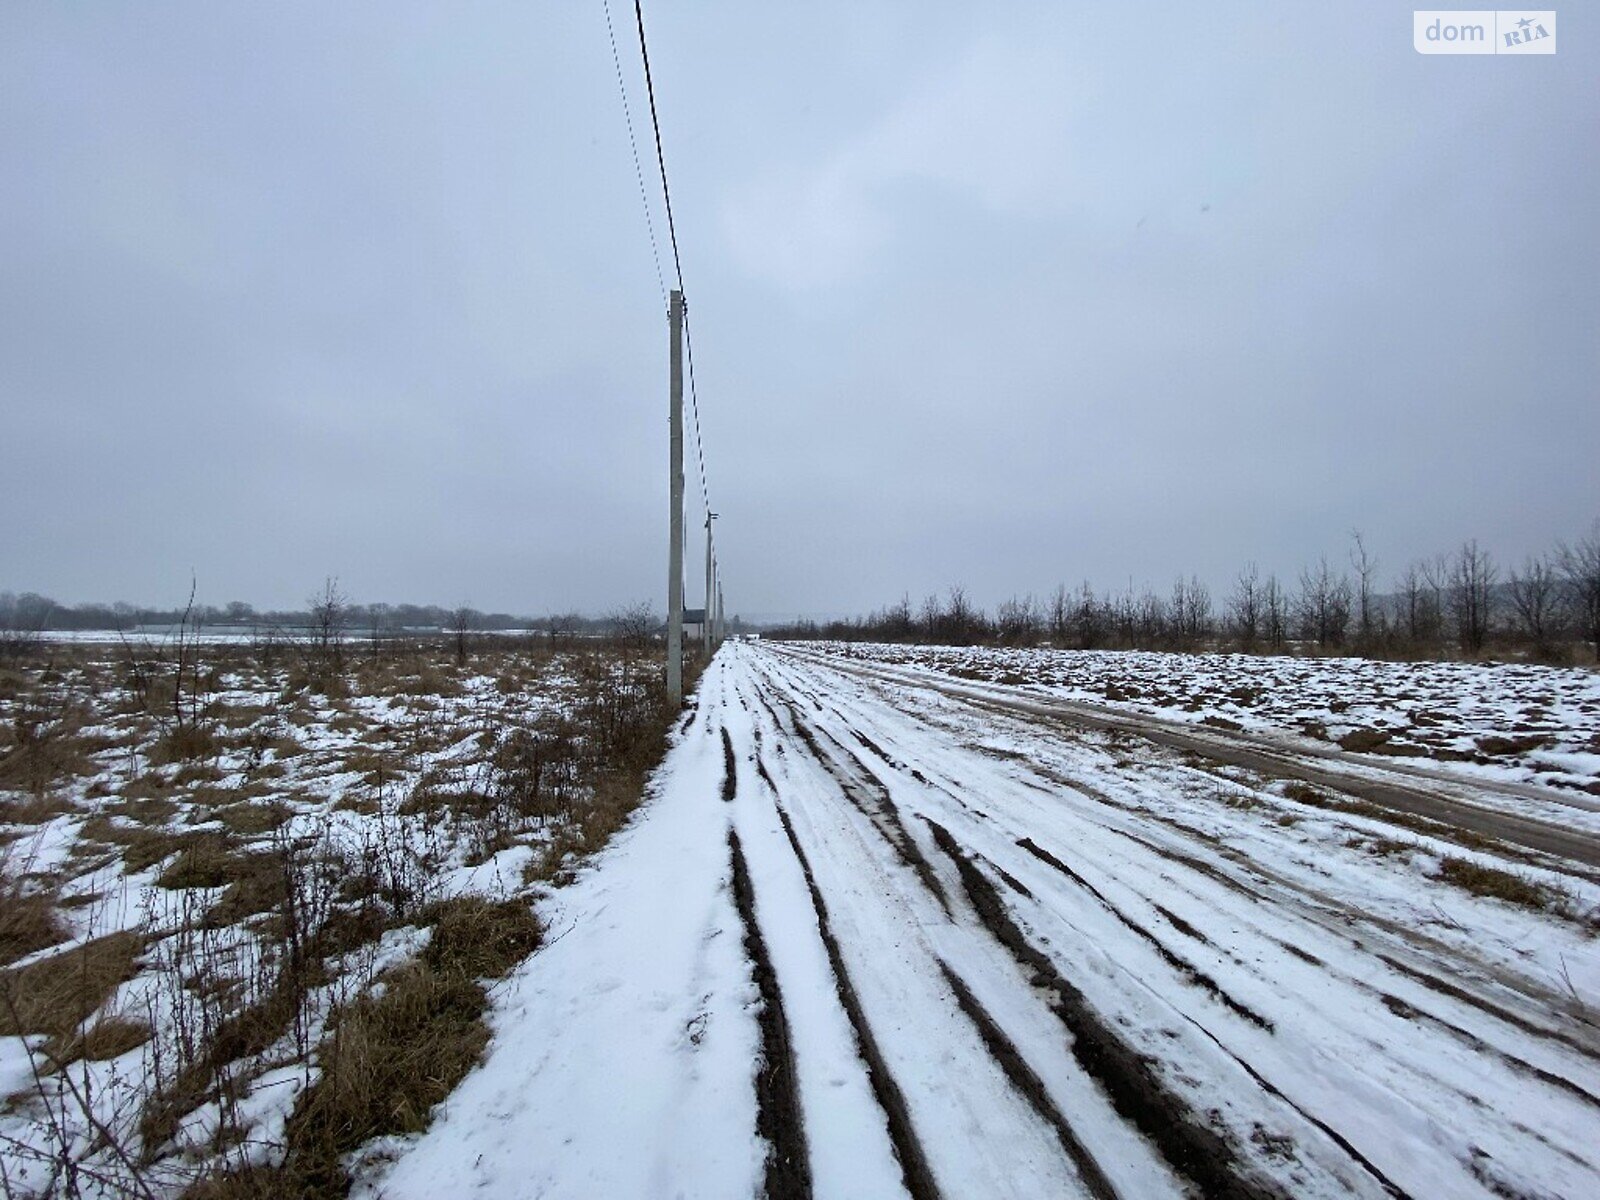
1012,1071
730,768
1330,916
1332,920
915,1172
1026,1080
1193,1149
1372,781
779,1118
1124,1072
869,795
1182,966
1263,912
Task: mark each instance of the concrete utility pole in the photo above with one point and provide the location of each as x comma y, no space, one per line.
721,632
675,477
705,615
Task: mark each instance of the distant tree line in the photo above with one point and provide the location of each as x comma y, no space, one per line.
29,612
1461,603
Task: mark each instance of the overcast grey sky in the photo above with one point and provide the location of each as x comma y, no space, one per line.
1003,295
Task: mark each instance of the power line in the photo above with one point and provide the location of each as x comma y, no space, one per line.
677,259
694,405
655,123
633,144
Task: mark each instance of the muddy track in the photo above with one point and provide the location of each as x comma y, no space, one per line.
871,798
1366,1164
1334,917
1445,988
915,1172
779,1118
1394,1003
1191,1147
1181,966
1027,1082
764,774
1322,767
1331,916
730,768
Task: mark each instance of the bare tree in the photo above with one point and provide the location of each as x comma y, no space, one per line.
22,622
462,622
1323,606
378,618
186,702
1090,619
1190,614
1580,570
1436,575
963,622
1472,578
898,623
1366,568
1059,616
634,626
563,626
1150,621
1244,607
329,611
1017,621
1419,606
1274,612
1536,600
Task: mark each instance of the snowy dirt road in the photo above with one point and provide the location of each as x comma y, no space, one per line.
872,937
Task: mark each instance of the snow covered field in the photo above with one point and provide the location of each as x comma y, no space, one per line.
1504,720
871,938
912,922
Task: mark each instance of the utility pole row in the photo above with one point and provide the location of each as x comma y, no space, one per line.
711,631
675,487
705,616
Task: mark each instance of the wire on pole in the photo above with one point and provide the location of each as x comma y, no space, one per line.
677,258
633,145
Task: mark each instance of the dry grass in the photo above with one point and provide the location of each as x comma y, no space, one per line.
34,808
28,920
185,744
56,995
392,1056
1501,885
202,862
480,938
248,819
256,884
1304,793
389,1060
109,1037
146,810
47,760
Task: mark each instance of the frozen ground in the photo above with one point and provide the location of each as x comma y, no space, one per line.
877,935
